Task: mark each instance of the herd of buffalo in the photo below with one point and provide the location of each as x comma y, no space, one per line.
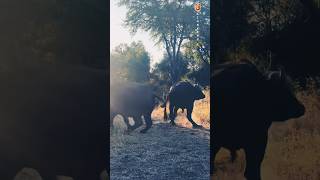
136,100
55,118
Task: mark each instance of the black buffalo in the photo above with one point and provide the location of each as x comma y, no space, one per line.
134,100
245,103
182,95
53,118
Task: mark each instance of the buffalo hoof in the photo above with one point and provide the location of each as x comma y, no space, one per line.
172,123
196,126
127,132
143,131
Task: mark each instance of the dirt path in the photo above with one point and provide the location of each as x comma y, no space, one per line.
164,152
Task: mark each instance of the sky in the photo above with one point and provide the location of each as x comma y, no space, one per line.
120,34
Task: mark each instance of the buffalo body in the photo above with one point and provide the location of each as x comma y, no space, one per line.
245,103
131,99
53,119
182,95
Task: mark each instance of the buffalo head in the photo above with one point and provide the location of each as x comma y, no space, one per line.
281,98
197,92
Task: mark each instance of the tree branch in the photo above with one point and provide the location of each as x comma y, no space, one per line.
166,45
181,39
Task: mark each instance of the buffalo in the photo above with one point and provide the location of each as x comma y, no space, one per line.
131,99
182,95
246,102
53,118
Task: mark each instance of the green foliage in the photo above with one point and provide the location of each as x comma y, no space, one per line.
170,23
272,15
316,3
53,31
230,26
200,75
161,69
269,33
130,62
161,18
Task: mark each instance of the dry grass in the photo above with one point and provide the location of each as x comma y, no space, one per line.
293,150
200,114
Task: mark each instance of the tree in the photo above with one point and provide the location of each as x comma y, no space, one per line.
267,17
296,44
199,49
36,31
169,22
197,54
230,26
160,69
130,62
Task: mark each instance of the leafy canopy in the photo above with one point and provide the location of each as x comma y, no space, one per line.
130,62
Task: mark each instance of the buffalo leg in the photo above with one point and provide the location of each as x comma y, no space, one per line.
137,122
254,158
129,127
215,149
172,113
189,113
175,112
112,116
233,153
148,121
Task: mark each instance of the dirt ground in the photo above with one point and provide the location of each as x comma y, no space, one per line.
164,152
